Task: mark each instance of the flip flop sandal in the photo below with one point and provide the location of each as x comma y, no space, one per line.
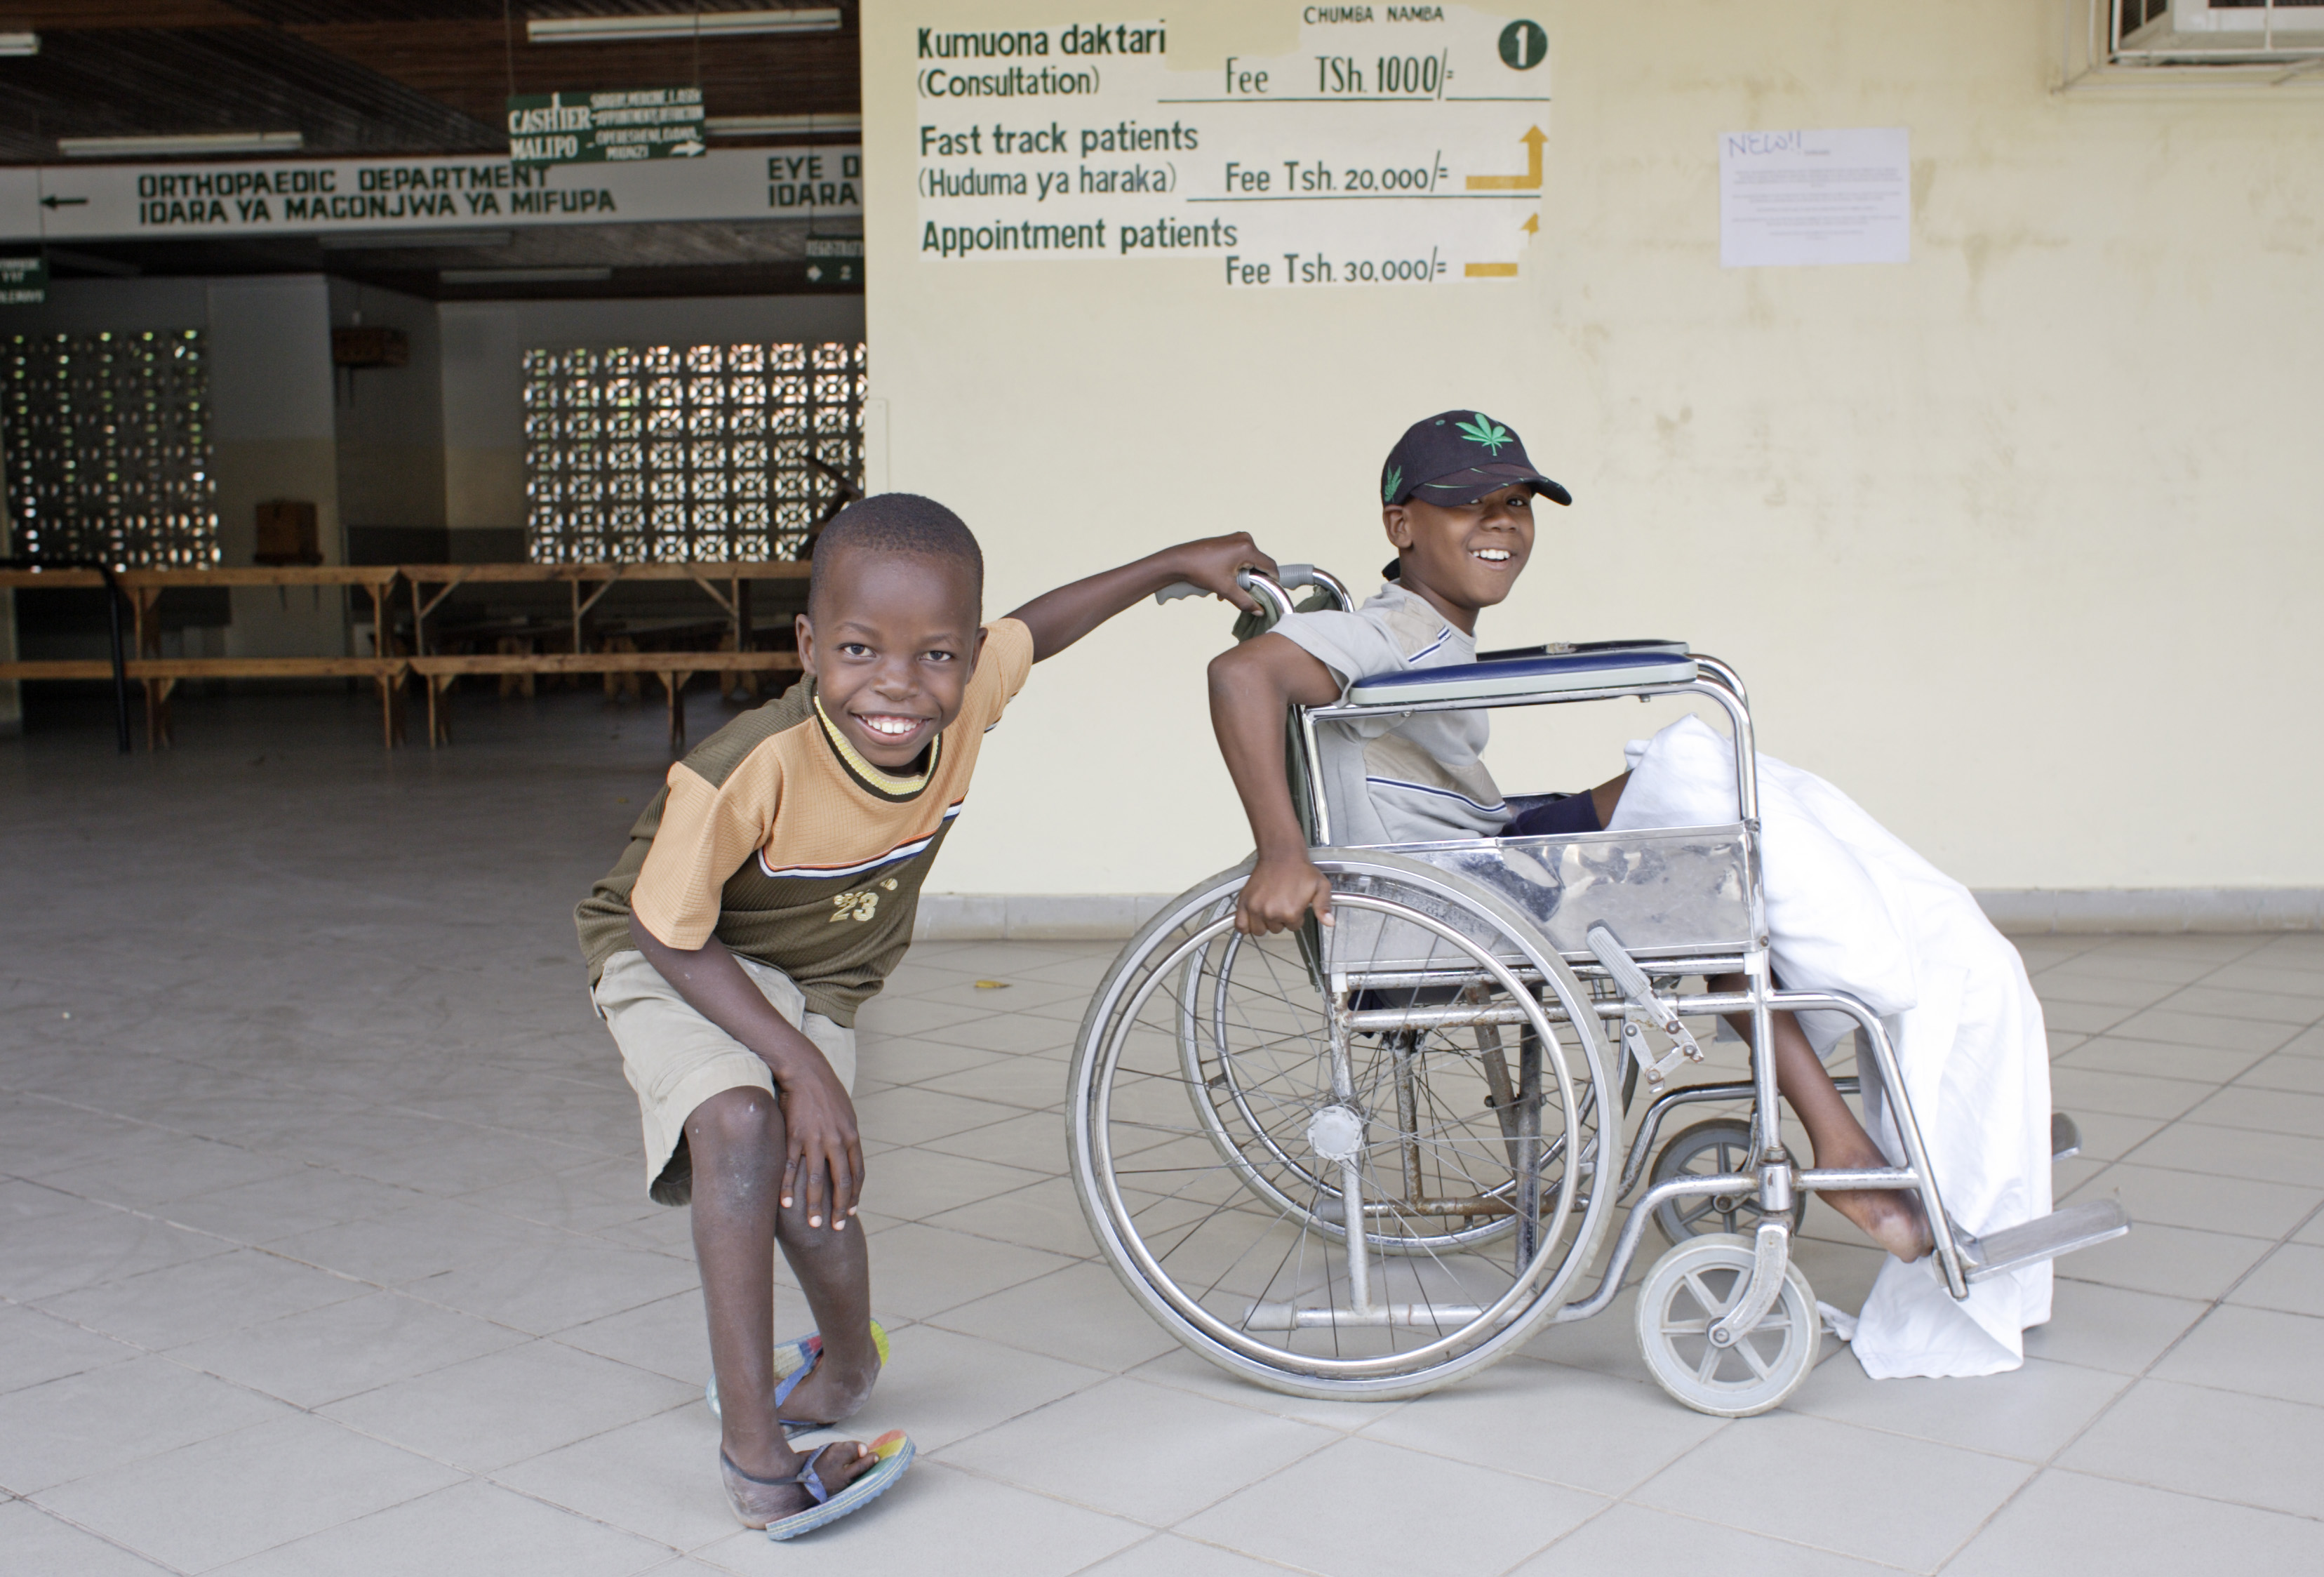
796,1357
894,1451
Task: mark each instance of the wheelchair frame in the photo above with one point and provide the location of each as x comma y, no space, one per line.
1688,901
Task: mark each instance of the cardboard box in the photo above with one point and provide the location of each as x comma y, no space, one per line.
370,347
287,533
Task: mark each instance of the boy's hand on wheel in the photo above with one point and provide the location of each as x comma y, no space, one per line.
1281,891
825,1158
1213,563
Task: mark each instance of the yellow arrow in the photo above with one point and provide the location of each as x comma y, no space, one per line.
1529,182
1532,226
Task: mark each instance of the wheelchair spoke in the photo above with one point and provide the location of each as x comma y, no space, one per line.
1224,1168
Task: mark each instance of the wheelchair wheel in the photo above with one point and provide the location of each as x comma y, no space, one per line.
1686,1291
1288,1177
1313,1157
1706,1149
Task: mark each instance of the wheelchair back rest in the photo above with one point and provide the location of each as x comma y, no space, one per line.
1604,666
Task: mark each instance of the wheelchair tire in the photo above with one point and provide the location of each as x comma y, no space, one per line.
1723,1144
1227,1121
1686,1291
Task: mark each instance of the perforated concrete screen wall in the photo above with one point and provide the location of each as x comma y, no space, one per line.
107,444
659,453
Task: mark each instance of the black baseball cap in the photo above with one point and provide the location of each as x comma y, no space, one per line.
1457,458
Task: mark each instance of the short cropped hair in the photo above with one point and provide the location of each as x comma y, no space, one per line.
897,523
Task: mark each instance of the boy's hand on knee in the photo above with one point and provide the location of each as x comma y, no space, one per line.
1281,891
825,1163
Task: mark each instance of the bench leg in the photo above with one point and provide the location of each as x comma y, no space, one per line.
440,717
673,684
159,734
390,710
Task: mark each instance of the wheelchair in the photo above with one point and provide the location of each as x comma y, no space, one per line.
1364,1160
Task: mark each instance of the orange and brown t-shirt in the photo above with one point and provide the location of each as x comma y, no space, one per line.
776,837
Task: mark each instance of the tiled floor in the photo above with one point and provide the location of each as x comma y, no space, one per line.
324,1249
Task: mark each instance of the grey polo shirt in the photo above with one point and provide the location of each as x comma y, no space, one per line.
1412,779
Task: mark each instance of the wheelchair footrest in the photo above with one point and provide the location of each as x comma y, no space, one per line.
2062,1231
2065,1136
1417,1316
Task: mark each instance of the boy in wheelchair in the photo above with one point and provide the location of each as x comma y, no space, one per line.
1457,494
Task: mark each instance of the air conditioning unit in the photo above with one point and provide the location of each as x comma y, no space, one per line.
2199,32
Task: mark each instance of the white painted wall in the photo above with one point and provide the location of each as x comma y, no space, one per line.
2019,542
275,437
390,421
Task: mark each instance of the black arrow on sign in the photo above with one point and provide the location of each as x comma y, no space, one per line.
58,202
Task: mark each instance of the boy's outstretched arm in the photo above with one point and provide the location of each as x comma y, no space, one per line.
1059,618
1252,685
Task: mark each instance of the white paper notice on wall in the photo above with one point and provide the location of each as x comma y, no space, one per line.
1788,199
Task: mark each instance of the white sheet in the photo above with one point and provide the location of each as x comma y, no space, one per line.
1851,907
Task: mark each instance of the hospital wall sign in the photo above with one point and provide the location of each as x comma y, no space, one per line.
1398,144
323,196
23,280
617,126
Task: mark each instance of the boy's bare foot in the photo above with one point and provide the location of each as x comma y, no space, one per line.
760,1500
1890,1217
832,1389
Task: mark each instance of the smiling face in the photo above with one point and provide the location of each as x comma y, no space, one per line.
1463,557
892,641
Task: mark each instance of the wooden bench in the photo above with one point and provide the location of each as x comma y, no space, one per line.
160,675
673,668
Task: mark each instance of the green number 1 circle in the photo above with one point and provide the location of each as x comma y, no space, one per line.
1524,45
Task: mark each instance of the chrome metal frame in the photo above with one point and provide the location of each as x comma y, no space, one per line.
1775,1178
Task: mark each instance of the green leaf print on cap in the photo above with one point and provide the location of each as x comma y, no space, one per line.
1395,480
1483,430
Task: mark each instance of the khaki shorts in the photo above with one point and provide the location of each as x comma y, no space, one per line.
676,1059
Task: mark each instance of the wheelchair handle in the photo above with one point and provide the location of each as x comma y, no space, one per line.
1289,578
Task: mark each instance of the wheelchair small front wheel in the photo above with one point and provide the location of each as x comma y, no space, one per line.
1718,1147
1685,1293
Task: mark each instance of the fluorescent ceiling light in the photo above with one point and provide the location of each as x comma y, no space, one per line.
779,125
20,43
110,268
523,276
391,240
668,25
199,142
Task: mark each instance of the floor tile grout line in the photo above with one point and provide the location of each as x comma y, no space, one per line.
392,1107
2166,1125
168,1356
992,1478
1206,1544
107,1538
1726,1526
417,1196
2050,1464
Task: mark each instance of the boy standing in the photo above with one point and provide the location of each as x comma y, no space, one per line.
765,895
1456,497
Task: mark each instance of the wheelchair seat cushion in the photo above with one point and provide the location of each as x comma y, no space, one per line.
1659,664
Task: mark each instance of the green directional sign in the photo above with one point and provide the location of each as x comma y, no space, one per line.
23,280
609,127
834,263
